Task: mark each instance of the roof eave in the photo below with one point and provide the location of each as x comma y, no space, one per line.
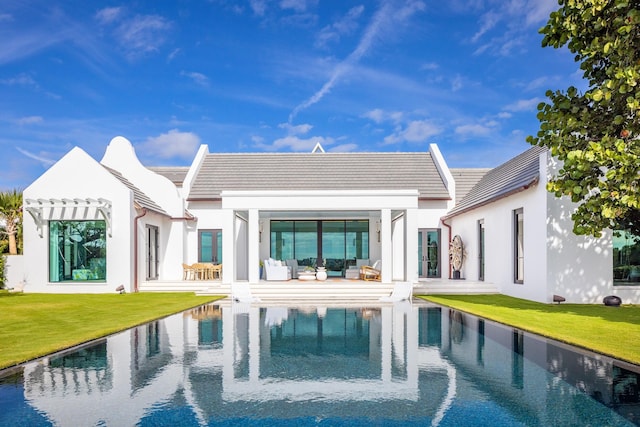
520,189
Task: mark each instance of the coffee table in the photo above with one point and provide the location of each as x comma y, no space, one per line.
307,275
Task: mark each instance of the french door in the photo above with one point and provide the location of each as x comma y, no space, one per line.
210,246
152,252
428,252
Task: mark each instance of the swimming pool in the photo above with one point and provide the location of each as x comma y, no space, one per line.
395,364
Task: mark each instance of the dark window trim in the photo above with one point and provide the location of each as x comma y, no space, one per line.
517,256
481,250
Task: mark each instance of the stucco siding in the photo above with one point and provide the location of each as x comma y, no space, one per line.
499,244
89,180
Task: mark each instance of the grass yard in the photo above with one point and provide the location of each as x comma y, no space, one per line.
33,325
607,330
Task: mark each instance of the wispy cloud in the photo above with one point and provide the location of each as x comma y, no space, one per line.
506,23
173,54
137,35
382,20
30,120
474,130
109,15
172,144
430,66
6,17
297,5
415,131
259,7
43,160
295,143
380,116
296,129
523,105
21,79
343,26
198,78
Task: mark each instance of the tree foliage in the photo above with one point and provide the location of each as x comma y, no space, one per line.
11,218
596,134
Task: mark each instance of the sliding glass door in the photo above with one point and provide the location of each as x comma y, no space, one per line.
334,243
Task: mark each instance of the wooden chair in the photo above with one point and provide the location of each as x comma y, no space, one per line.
215,272
370,272
199,271
188,272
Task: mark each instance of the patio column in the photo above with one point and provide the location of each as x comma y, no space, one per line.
253,250
386,246
411,242
228,247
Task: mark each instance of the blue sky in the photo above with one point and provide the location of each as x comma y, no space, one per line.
272,75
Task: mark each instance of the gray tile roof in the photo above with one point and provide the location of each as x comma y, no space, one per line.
466,179
175,174
318,171
138,196
502,181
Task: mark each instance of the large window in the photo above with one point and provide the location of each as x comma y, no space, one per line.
77,251
335,243
518,246
626,259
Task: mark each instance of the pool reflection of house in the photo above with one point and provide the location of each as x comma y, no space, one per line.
429,361
126,224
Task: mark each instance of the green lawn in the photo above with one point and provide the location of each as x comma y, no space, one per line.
607,330
33,325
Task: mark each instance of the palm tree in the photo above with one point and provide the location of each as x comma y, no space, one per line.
11,215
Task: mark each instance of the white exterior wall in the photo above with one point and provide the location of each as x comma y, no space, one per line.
499,243
77,175
556,261
580,267
14,270
120,155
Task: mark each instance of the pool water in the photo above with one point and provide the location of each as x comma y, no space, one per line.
395,364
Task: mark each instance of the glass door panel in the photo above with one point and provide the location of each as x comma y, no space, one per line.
333,247
428,253
357,241
282,240
306,243
210,246
152,252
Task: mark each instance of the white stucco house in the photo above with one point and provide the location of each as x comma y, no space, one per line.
91,226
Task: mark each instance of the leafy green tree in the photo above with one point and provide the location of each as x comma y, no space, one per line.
11,216
596,134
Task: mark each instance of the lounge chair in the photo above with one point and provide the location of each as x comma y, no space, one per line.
353,272
402,291
275,316
274,270
370,272
295,268
241,292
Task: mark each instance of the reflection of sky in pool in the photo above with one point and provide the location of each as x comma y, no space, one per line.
392,364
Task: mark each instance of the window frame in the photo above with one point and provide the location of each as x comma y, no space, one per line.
83,268
481,250
518,246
